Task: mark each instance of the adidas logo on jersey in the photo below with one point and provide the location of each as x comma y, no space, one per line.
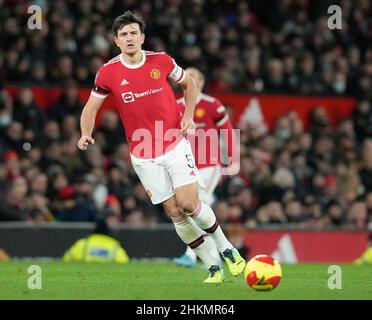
192,173
124,82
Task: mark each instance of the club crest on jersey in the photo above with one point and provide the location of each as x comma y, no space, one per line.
155,74
199,112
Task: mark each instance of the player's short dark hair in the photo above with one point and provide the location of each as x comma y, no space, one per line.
127,18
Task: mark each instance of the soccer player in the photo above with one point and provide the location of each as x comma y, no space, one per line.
210,114
160,152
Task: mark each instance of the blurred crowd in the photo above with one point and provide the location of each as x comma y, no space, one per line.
272,46
318,177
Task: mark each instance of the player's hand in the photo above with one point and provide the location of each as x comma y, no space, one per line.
84,141
188,126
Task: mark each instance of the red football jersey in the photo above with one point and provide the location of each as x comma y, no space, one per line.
144,100
210,117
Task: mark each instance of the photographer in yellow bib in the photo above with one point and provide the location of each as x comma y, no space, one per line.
366,257
97,247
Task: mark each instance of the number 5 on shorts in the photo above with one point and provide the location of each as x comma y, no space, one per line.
190,162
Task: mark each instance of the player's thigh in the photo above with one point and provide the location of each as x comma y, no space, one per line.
180,164
155,180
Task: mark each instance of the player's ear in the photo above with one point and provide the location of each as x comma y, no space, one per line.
116,39
142,38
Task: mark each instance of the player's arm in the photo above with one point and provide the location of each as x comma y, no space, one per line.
223,123
190,95
187,83
100,91
87,121
230,141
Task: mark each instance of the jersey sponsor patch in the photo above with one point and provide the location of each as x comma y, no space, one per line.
131,96
127,97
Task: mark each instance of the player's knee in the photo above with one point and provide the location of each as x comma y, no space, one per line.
172,210
187,205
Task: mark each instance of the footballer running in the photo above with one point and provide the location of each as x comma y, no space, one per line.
139,83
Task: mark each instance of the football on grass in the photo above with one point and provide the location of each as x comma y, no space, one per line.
263,273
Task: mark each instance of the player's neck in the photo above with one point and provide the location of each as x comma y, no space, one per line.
134,59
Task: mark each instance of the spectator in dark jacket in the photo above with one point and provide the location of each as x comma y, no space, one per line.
362,119
68,104
27,112
13,205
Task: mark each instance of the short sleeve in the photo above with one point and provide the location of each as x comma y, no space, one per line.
220,114
174,71
101,87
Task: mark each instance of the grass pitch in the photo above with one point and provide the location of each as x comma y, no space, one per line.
154,280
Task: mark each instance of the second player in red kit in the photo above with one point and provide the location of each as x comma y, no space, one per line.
211,119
